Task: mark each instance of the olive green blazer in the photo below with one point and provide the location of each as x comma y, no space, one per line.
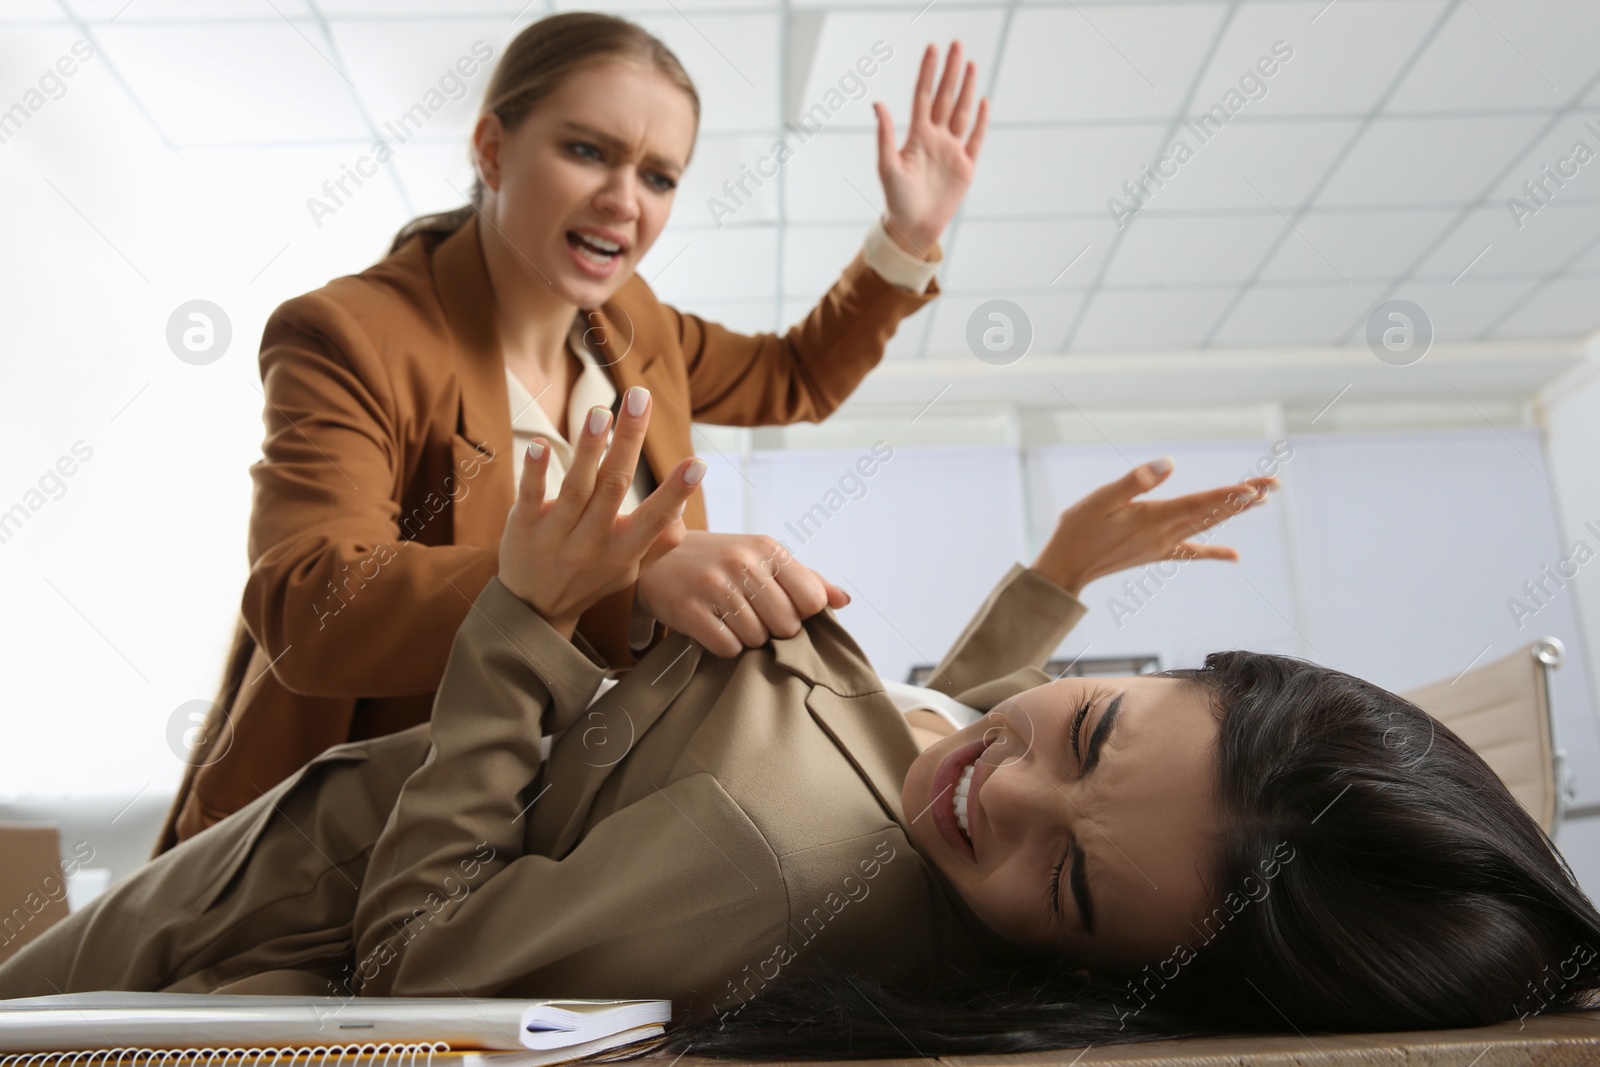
705,828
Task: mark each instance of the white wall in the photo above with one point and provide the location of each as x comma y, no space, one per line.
1415,547
1572,445
918,547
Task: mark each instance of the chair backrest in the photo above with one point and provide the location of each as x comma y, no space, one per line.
1502,710
33,894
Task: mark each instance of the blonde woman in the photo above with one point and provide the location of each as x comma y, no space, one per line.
398,397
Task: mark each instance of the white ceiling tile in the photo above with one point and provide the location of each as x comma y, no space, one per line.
1493,55
1095,62
218,84
1589,262
437,175
240,72
912,5
1300,314
629,7
832,177
1163,251
1360,246
32,11
1462,311
1048,317
278,183
724,185
402,8
1567,307
734,263
851,37
1342,62
165,10
80,114
990,255
1160,319
733,60
1562,149
1076,169
1428,161
179,224
1544,242
421,77
1249,165
814,256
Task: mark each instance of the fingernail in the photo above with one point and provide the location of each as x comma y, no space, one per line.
696,471
599,417
1161,465
536,450
636,400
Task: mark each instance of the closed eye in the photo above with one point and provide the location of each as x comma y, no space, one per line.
1077,730
1054,899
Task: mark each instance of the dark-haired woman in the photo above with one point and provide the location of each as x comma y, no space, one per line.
397,398
1258,844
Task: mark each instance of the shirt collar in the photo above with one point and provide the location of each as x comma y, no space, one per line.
592,387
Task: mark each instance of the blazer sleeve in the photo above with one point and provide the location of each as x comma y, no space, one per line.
452,904
764,379
342,605
1020,624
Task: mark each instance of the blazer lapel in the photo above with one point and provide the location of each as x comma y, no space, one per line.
633,359
880,749
596,740
879,746
484,416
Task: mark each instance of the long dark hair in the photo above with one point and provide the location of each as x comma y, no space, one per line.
534,65
1374,875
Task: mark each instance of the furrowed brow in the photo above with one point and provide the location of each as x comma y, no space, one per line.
617,144
1078,878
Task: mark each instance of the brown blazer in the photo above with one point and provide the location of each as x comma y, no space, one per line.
386,477
705,828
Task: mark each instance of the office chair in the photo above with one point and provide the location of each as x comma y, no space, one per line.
1503,711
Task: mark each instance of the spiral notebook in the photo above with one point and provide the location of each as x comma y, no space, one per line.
174,1030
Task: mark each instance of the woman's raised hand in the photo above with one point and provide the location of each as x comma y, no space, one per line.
1109,531
561,556
923,182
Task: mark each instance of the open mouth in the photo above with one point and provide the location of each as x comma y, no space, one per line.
595,249
951,794
963,787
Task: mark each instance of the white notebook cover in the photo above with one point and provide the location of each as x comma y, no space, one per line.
179,1020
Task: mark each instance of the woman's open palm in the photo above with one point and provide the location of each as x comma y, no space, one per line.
561,556
1108,530
924,181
